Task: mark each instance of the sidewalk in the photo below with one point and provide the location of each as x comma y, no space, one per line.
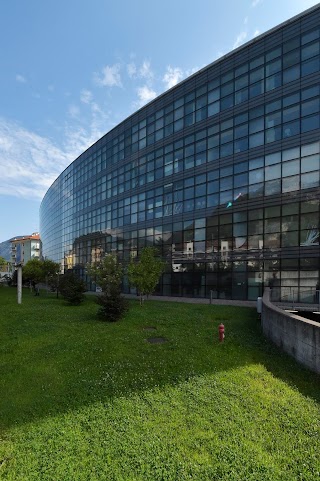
197,300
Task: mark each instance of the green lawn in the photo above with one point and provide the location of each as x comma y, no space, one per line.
86,400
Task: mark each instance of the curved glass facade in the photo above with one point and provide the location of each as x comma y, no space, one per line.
221,173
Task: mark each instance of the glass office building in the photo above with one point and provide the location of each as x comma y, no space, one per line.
221,173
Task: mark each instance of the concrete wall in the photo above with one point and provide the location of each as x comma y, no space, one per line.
295,335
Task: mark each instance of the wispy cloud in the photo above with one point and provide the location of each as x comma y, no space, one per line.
73,111
86,96
20,78
255,3
132,69
145,95
256,33
240,39
146,71
29,162
172,76
142,72
109,76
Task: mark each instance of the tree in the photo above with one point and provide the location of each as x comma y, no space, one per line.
37,270
72,288
3,263
144,274
108,274
51,274
33,271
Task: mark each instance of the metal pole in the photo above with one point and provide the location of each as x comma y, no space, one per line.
19,284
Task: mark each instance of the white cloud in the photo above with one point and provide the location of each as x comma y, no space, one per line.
255,3
145,94
21,79
29,162
131,69
240,39
191,71
73,111
256,33
86,96
109,76
172,76
145,70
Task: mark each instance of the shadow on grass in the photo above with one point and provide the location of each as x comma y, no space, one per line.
55,358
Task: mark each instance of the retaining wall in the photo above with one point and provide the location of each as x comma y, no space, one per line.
295,335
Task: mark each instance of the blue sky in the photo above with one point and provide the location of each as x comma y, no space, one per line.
71,70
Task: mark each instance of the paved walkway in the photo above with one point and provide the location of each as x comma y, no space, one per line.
197,300
222,302
191,300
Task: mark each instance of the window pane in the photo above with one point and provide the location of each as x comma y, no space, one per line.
213,108
290,129
272,187
273,158
273,134
273,172
310,50
256,140
310,180
273,82
241,145
256,176
257,89
310,123
310,66
291,74
290,168
290,154
227,102
291,113
241,96
310,163
273,119
310,149
310,107
289,184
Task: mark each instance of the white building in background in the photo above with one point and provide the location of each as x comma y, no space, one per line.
25,248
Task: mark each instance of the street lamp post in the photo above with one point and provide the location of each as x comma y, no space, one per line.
19,283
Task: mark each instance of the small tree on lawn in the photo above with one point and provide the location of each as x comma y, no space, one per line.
144,274
3,263
72,288
37,271
108,274
33,271
51,272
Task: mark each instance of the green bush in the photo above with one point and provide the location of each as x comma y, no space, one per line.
108,273
112,307
72,288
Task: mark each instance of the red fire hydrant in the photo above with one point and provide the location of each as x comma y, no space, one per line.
221,332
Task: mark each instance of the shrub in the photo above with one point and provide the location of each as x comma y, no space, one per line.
108,275
72,288
112,307
145,272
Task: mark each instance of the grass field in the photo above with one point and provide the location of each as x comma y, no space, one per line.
86,400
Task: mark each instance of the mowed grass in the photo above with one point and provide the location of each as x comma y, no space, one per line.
86,400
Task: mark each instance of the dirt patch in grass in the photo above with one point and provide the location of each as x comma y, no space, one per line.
157,340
